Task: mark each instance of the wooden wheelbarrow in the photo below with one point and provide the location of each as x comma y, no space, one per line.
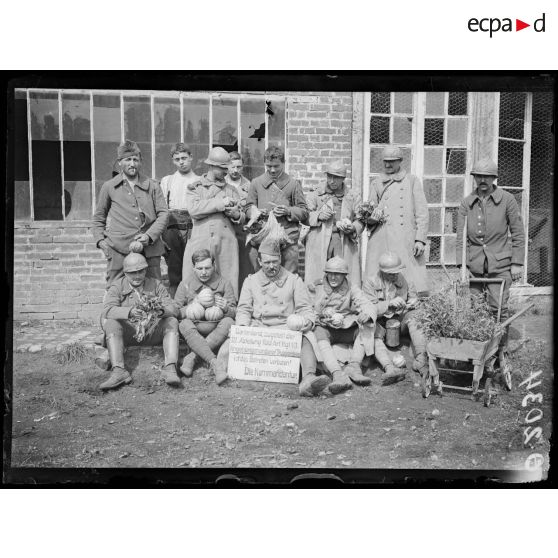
481,354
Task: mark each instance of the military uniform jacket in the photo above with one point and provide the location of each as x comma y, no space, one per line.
348,300
406,211
268,302
212,229
121,297
320,233
375,290
129,214
188,290
265,191
489,227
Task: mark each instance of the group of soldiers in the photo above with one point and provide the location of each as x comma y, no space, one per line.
198,224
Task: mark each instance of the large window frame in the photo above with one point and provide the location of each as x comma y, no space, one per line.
181,96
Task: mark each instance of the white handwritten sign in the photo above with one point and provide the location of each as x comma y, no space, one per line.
264,354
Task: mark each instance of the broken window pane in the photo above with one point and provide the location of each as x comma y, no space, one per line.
434,249
275,122
22,197
225,125
252,128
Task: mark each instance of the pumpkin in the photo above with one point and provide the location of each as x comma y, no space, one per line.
213,313
206,297
195,311
337,319
136,246
296,322
399,361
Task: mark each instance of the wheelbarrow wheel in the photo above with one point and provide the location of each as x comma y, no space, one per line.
487,392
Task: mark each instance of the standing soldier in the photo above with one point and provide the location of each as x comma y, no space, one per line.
405,224
276,191
241,183
334,229
174,187
495,245
214,207
130,208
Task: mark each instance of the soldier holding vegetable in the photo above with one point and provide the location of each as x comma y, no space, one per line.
138,310
207,307
334,227
395,298
345,315
131,216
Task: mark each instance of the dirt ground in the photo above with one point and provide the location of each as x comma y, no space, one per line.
61,419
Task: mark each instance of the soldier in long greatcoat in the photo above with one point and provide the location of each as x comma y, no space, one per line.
214,207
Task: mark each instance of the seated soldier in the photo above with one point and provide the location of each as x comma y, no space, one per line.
204,336
267,299
394,297
341,308
120,310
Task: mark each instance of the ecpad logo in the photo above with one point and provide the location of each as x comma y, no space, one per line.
494,24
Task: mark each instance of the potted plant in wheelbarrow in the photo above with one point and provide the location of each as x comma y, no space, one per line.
460,327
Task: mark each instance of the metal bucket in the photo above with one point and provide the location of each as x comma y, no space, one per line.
393,329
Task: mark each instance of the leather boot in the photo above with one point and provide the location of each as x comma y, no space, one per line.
340,382
355,374
391,373
312,384
119,375
170,349
188,364
218,367
420,364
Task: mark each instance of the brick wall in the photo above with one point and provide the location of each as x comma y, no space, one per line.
319,128
58,272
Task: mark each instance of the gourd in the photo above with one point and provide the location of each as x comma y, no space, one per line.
206,297
295,322
136,246
337,319
195,311
213,313
399,361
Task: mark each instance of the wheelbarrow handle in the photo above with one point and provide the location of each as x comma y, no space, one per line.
486,281
517,314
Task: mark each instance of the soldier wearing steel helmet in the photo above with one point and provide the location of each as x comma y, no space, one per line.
405,224
214,207
495,238
395,297
120,306
344,315
334,228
